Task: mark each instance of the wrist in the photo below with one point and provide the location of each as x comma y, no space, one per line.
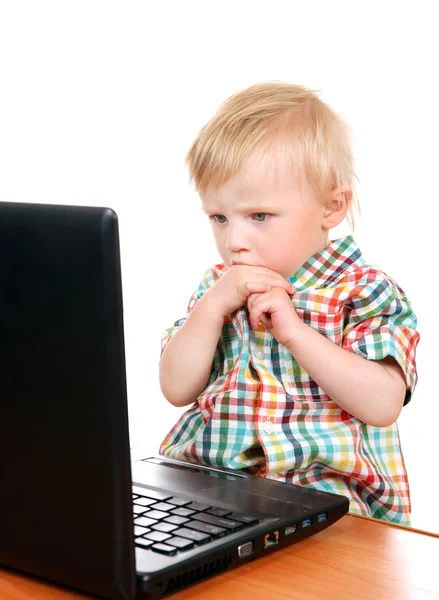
299,330
209,306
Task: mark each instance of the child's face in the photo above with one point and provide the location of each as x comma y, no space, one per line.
263,217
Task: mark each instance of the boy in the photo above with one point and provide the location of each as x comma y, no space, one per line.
296,355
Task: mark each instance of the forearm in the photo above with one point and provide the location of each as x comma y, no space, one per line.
186,362
364,388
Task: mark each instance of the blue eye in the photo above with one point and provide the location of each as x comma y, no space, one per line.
221,219
260,217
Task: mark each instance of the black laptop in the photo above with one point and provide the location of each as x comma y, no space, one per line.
73,509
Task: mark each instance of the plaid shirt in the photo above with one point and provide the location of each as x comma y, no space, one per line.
262,412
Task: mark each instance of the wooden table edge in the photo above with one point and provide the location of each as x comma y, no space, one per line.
403,527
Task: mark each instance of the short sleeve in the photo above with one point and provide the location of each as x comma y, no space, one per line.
210,277
381,323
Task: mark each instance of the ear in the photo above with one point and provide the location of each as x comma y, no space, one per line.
336,207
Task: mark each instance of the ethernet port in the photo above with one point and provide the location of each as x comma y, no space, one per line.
271,539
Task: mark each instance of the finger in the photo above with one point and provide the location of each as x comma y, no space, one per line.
265,319
252,299
289,287
259,310
255,297
279,281
255,315
257,286
272,277
245,289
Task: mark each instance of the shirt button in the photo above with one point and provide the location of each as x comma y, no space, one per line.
259,353
268,427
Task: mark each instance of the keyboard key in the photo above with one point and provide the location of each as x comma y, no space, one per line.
138,510
157,514
144,521
178,501
198,506
140,530
195,536
219,512
220,522
164,549
165,527
144,543
157,536
148,493
144,501
247,519
175,520
212,530
163,506
182,512
180,543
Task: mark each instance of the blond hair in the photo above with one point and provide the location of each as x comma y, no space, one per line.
267,116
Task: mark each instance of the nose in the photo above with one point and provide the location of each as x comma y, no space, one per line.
236,240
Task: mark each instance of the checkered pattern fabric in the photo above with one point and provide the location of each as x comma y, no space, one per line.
262,412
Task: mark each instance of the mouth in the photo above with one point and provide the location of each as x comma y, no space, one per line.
238,262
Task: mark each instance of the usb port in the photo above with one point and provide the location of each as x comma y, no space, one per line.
290,529
306,523
271,539
322,517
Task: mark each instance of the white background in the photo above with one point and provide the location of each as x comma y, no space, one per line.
99,102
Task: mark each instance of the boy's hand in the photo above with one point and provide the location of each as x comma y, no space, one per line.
275,311
231,291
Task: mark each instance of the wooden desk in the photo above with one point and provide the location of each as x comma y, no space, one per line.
354,559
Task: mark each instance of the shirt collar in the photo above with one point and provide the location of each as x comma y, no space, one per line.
328,264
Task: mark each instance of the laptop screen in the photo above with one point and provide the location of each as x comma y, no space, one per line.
66,482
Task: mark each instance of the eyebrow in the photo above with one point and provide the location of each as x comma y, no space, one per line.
250,208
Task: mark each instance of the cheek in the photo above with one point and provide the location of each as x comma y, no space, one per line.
220,243
279,239
220,238
282,248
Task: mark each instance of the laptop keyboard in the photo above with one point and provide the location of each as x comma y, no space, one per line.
168,524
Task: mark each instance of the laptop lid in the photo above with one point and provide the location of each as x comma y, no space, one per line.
61,384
